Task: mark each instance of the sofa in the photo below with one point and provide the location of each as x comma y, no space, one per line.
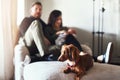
53,70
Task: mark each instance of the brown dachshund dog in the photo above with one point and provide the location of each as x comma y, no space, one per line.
78,62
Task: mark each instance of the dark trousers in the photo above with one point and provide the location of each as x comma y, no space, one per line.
70,39
54,53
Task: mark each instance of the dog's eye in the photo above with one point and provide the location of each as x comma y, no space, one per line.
65,53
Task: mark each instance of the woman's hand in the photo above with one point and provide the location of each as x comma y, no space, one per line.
71,31
62,32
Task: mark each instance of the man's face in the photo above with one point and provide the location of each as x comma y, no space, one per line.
36,11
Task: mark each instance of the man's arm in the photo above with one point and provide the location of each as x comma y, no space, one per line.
24,25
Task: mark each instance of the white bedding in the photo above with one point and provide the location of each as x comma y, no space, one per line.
53,71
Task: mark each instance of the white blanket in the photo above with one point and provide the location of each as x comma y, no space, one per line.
53,70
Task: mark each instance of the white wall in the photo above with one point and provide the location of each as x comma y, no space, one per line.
76,13
79,13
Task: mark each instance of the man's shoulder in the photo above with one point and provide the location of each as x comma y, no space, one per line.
28,18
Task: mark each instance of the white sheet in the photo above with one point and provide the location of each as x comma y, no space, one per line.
53,71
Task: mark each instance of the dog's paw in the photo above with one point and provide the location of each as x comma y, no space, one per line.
77,78
66,71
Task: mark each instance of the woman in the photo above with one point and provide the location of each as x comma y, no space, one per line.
55,31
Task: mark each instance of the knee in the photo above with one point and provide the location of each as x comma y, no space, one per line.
35,24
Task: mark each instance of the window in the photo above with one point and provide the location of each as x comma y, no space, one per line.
20,11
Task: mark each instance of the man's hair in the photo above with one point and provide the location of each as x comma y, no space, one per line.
37,3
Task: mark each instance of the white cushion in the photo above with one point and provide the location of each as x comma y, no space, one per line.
53,70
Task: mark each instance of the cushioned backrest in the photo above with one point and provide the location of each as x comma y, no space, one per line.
86,49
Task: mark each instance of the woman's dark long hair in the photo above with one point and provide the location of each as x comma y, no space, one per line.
53,17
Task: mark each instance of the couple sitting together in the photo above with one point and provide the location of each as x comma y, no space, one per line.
38,41
44,41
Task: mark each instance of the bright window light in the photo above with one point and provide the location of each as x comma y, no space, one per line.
20,11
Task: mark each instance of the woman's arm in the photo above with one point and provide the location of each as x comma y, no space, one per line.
50,34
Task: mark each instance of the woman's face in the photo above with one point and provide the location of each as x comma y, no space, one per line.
58,22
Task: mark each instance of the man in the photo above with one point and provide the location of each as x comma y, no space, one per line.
32,45
32,32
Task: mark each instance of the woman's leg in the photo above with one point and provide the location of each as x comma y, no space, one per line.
34,35
70,39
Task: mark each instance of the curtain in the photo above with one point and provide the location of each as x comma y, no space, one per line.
8,11
118,36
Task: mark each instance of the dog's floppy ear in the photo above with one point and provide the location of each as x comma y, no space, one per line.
69,54
74,52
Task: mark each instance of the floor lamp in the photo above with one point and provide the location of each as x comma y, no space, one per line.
100,31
